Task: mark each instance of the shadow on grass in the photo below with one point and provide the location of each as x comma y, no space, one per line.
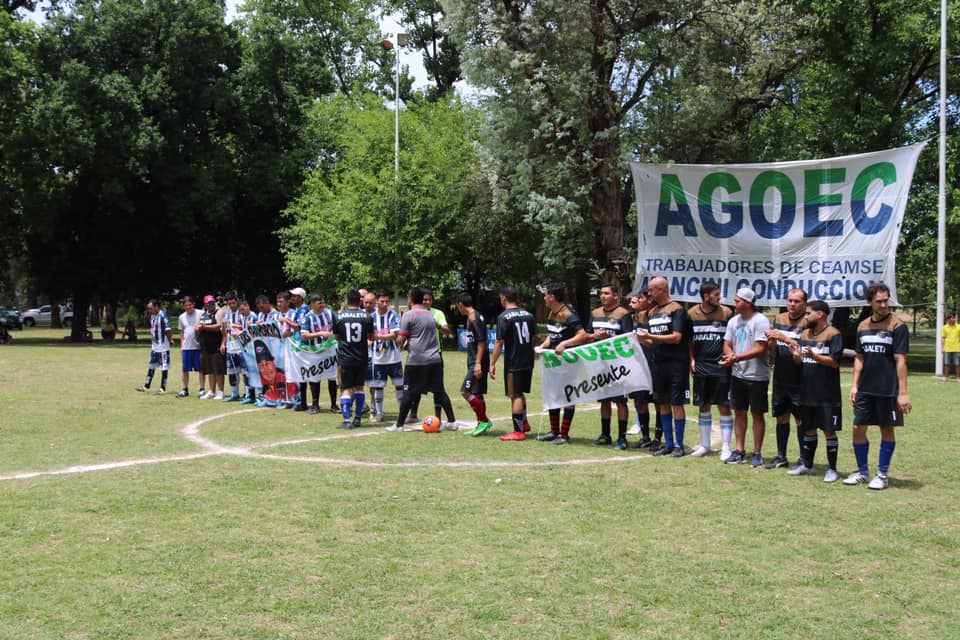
912,485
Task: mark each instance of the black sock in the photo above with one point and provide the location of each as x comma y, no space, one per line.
332,390
622,429
149,381
832,446
783,435
442,400
315,393
645,425
163,380
809,450
518,422
605,427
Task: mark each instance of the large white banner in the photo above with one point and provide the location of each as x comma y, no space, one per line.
829,227
311,363
612,367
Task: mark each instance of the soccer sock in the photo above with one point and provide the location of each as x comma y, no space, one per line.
332,390
315,393
726,430
622,429
666,423
783,436
833,444
234,383
443,401
555,420
645,425
476,403
378,401
861,451
886,454
149,380
163,380
705,422
605,427
302,394
567,420
518,422
346,403
679,427
658,429
415,407
800,432
359,399
405,401
809,449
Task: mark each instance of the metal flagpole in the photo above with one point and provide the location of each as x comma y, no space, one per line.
942,195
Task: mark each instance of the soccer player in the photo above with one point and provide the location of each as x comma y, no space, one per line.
189,346
212,362
300,311
247,318
669,326
160,337
233,324
818,351
608,320
517,334
443,330
745,351
640,303
288,327
317,327
387,362
265,310
950,343
424,370
354,330
474,385
564,330
787,374
711,382
879,390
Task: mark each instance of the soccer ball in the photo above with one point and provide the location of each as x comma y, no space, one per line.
431,424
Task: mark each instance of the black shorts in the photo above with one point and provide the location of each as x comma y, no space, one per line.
671,383
517,383
711,390
352,376
879,410
472,385
786,400
643,397
423,378
749,394
823,418
213,364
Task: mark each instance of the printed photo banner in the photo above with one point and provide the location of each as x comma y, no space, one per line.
263,354
829,227
612,367
311,363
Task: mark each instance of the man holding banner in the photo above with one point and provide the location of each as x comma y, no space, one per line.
608,320
566,330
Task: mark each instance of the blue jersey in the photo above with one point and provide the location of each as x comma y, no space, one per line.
159,325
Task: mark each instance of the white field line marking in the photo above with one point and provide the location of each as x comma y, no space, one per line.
191,432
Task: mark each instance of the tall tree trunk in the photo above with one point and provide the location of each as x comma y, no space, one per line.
81,303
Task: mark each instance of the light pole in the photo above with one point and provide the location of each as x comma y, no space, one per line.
401,42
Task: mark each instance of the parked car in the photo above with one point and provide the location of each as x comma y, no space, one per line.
41,317
10,318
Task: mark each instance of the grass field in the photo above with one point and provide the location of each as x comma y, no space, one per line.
271,524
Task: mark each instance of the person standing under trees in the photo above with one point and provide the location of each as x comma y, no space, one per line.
424,370
745,350
668,335
517,333
387,362
879,389
474,386
639,305
787,374
160,338
189,345
354,330
818,352
608,320
565,330
213,364
711,382
950,343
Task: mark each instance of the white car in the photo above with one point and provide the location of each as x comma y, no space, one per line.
41,317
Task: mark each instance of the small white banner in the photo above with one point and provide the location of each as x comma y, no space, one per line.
612,367
310,363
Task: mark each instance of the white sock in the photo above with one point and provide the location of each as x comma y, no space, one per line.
726,430
705,423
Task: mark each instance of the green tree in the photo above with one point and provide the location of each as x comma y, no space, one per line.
424,22
129,163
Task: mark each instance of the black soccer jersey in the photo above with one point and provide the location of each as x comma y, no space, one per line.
563,324
821,384
477,333
353,328
878,342
786,373
517,328
708,330
664,320
616,321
